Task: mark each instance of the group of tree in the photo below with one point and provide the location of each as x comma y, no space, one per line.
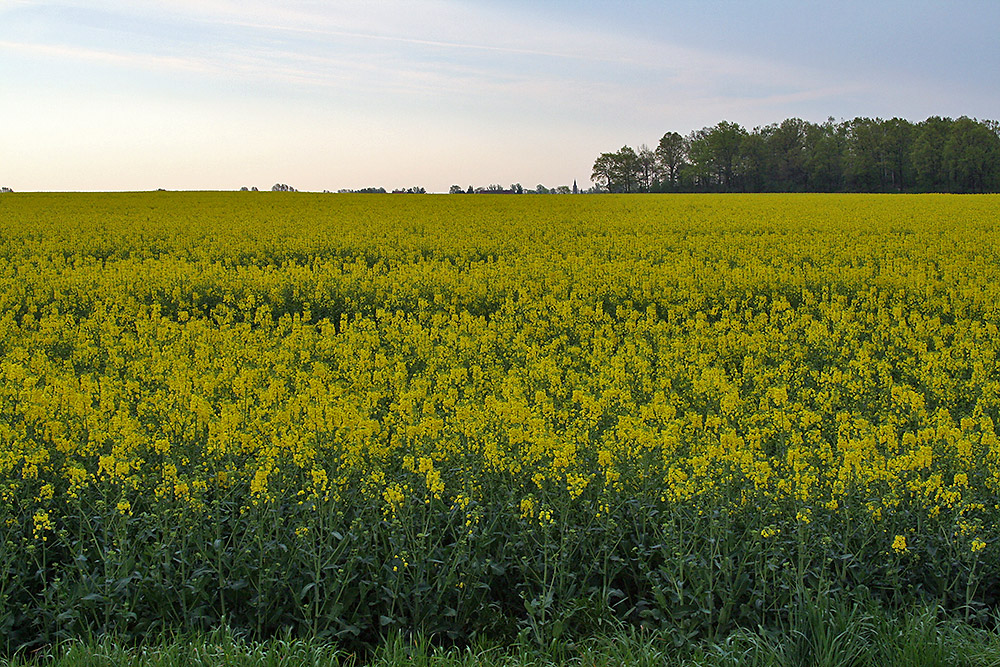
5,189
515,189
281,187
859,155
415,190
277,187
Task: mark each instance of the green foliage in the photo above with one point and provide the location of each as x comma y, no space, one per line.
827,633
858,155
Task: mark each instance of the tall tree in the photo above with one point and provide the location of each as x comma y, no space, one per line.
866,164
826,146
754,159
618,171
671,156
714,152
698,173
724,141
646,168
971,157
927,154
628,169
603,174
786,155
897,138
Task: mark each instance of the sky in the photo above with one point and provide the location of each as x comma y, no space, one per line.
328,95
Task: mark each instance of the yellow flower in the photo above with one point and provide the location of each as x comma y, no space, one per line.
977,545
575,485
604,458
393,496
527,508
899,544
42,523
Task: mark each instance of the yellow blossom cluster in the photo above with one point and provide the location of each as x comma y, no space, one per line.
799,355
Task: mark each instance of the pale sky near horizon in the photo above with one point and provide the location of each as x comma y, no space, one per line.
219,94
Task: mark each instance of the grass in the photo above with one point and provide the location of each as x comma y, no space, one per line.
825,636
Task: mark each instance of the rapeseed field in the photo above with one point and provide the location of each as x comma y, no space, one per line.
342,416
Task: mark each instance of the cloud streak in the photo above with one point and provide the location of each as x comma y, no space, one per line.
420,37
132,59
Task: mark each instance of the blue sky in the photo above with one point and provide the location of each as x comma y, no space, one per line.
217,94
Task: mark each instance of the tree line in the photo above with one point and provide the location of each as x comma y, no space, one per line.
515,189
859,155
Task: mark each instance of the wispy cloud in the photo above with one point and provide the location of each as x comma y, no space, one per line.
414,41
130,59
417,46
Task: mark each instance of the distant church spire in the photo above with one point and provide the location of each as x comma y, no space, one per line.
576,190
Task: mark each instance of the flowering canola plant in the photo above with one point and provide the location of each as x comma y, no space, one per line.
825,363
